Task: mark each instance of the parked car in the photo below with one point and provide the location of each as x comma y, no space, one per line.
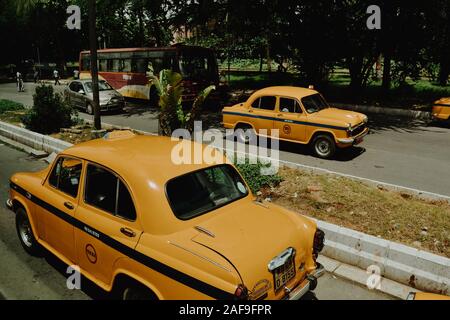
441,110
80,96
300,115
143,227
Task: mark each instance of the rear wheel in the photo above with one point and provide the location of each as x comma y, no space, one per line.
25,233
154,97
89,109
135,291
324,146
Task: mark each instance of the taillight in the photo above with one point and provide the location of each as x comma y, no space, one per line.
241,292
319,242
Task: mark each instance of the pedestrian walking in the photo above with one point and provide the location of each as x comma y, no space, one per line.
56,77
19,79
36,75
76,74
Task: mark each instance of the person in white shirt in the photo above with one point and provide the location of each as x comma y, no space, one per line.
76,74
19,79
56,76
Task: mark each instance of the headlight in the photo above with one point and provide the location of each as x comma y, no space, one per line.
365,119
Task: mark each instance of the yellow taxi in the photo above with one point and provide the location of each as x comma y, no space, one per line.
300,115
441,110
426,296
142,227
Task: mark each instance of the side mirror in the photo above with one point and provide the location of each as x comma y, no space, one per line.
81,91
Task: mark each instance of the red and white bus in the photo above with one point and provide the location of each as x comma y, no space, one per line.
128,69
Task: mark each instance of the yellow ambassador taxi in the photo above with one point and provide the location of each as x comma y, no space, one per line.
441,110
142,227
300,115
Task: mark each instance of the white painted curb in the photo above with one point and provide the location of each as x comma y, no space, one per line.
410,266
415,114
32,139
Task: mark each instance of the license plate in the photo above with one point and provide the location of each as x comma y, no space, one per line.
284,274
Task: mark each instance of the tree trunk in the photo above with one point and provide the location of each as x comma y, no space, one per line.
386,84
444,71
94,69
269,59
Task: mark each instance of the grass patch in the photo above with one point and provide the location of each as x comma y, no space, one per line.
387,214
8,105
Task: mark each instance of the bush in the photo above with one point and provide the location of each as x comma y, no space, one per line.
8,105
255,180
50,112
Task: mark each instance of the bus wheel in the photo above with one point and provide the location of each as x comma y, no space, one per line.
154,97
89,109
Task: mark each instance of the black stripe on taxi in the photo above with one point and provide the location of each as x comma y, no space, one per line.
151,263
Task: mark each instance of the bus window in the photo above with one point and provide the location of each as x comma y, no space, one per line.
103,65
197,65
139,65
115,65
86,63
126,65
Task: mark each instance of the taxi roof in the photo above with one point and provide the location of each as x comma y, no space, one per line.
289,91
131,156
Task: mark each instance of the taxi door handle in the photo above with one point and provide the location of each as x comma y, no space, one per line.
68,205
250,110
128,232
279,115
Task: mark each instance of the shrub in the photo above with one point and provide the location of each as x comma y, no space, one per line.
50,112
8,105
255,180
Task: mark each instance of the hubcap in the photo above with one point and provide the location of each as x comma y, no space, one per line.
323,147
25,232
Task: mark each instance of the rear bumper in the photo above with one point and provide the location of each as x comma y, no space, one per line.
9,204
308,284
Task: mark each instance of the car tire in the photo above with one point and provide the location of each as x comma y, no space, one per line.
324,146
154,97
240,135
136,291
89,109
25,233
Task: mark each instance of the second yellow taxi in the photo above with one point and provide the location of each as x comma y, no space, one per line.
300,115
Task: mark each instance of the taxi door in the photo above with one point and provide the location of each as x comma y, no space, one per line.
290,120
262,111
61,194
109,225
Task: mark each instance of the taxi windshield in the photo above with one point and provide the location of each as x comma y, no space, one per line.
201,191
314,103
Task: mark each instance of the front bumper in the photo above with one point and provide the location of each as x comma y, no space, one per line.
308,284
353,140
9,204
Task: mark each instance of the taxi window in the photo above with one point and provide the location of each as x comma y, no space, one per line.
265,103
104,190
66,176
199,192
289,105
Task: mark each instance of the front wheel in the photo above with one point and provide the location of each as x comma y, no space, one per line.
25,233
324,146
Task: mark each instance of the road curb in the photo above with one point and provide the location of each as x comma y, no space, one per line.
415,114
365,278
407,265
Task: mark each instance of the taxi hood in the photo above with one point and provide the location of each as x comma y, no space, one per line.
345,116
251,234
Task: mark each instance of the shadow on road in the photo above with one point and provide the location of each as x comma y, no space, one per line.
383,122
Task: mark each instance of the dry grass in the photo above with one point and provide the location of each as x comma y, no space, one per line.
390,215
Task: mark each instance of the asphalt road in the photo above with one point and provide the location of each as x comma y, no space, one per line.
405,152
26,277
